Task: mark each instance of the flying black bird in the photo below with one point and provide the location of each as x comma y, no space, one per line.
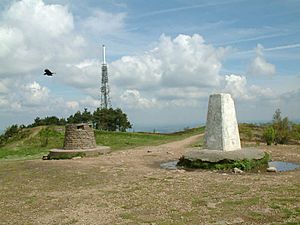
48,72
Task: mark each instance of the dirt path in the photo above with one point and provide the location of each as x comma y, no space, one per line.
129,187
143,156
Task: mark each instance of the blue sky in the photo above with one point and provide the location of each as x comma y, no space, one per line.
164,58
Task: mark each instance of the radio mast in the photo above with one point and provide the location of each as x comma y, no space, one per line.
104,99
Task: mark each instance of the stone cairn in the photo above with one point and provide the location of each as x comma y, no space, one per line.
79,142
79,136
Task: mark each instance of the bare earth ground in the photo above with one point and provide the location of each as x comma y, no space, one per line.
129,187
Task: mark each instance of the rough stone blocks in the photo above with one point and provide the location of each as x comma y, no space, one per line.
79,136
221,132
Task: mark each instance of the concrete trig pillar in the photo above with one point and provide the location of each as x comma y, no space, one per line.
221,132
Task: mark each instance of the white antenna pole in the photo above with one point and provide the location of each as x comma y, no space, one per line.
103,52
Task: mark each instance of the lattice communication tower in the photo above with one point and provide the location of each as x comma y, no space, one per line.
104,97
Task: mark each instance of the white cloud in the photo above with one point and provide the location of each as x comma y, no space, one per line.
104,23
238,87
176,69
34,94
33,35
44,20
181,62
89,102
259,66
133,99
18,96
83,75
176,72
72,105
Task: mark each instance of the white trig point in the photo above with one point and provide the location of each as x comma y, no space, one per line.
221,132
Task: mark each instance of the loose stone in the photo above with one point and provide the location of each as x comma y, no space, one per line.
272,169
237,170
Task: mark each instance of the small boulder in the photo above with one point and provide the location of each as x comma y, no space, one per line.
237,170
77,157
272,169
211,205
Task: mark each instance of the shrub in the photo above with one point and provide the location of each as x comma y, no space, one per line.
269,135
10,132
281,127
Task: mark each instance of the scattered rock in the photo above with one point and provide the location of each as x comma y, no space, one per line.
77,157
237,170
149,151
170,153
271,169
45,157
237,220
207,155
211,205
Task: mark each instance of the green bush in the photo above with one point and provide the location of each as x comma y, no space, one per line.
269,135
47,133
295,133
12,133
281,127
245,164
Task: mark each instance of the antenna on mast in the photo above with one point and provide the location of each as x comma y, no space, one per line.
104,89
103,54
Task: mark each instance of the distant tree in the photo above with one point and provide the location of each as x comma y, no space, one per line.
49,120
79,117
281,127
102,119
110,120
9,133
76,118
122,121
37,122
86,116
62,121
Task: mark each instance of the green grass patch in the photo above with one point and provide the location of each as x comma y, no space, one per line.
128,216
35,142
244,202
256,215
225,164
125,140
199,143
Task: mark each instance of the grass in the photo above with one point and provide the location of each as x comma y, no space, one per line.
225,164
114,190
35,142
32,145
125,140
